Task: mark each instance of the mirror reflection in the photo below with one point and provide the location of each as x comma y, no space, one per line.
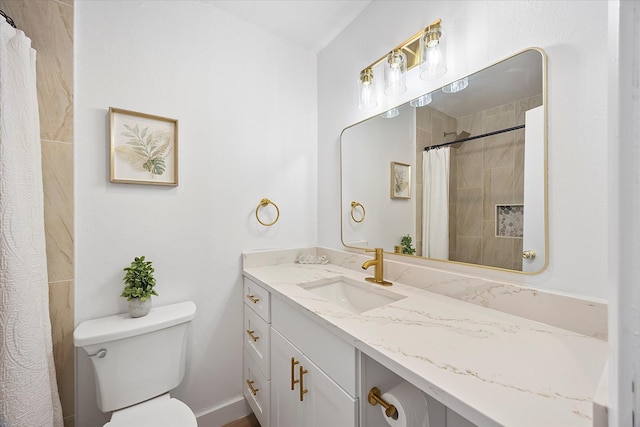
458,174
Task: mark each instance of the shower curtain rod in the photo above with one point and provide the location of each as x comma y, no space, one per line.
8,19
495,132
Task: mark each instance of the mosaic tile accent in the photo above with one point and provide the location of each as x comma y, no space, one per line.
509,220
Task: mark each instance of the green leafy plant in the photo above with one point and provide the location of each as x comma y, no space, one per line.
407,247
139,280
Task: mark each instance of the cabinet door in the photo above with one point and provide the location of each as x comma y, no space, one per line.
302,395
325,403
286,408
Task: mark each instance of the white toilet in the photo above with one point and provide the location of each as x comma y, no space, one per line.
137,362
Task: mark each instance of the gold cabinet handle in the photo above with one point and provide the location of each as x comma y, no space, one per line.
303,390
253,337
254,391
530,254
294,362
253,299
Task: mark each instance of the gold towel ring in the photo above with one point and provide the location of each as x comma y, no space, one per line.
264,202
354,205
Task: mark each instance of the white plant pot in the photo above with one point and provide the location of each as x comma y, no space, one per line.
137,308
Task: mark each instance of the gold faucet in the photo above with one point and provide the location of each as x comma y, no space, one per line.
377,262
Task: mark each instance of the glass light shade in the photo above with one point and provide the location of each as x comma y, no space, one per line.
433,64
390,114
456,86
421,101
367,94
395,73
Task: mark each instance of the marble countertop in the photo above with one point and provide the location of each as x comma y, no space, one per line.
491,367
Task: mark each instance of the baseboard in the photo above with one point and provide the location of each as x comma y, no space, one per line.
228,411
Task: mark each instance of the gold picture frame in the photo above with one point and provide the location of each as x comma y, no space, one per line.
144,148
400,180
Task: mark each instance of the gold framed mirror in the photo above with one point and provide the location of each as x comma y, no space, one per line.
477,162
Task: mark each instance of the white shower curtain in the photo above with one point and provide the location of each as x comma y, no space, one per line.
28,392
435,203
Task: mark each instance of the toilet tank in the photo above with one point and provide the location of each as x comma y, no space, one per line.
144,358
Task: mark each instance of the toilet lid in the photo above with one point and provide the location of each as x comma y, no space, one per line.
158,412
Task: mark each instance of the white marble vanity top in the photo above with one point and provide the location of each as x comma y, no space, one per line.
491,367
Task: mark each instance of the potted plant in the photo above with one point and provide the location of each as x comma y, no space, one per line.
139,283
407,245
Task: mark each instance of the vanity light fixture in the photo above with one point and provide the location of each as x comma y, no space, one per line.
432,53
395,73
456,86
421,101
367,90
390,114
425,48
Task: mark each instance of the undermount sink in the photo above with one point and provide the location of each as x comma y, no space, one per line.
352,295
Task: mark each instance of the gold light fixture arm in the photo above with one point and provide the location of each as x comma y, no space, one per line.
263,203
411,47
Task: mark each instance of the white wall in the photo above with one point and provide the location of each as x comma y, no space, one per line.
624,205
374,145
246,103
480,33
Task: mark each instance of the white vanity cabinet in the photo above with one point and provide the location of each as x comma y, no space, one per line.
257,350
296,372
302,395
314,373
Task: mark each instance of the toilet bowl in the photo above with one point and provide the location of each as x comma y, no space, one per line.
154,348
162,411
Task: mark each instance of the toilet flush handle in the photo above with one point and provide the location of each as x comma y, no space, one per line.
99,354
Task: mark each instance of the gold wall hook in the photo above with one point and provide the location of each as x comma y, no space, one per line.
264,203
374,398
354,205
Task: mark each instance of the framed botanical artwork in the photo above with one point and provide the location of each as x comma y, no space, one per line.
144,148
400,181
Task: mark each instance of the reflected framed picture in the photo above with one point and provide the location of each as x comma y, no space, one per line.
400,180
144,148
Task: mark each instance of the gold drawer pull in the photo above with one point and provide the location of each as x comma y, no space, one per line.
253,299
294,362
303,390
253,337
254,391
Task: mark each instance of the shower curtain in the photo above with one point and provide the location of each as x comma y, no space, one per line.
28,391
435,203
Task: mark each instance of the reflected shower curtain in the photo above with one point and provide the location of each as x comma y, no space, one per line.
28,391
435,203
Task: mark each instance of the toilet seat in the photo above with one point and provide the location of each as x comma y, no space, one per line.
162,411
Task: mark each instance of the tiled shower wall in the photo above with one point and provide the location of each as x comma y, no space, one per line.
490,171
484,172
49,24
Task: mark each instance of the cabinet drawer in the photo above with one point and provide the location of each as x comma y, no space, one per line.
257,340
256,390
256,297
335,356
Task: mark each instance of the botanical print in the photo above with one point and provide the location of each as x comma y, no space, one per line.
145,150
400,181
